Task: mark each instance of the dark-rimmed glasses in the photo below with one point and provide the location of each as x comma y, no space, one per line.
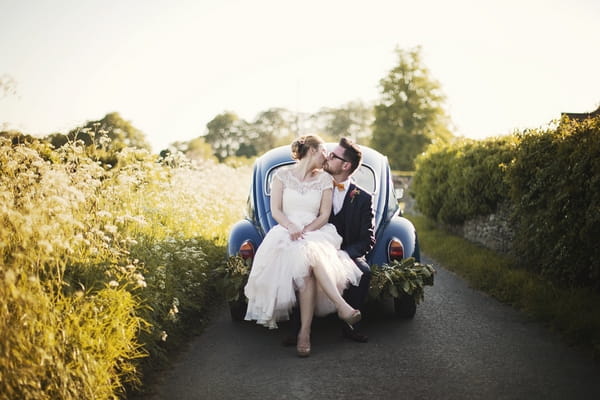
333,155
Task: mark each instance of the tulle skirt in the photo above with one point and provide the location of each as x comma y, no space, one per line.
280,266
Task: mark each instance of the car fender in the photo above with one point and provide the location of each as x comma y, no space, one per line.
242,230
400,228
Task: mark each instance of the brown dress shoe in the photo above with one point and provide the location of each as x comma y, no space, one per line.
352,334
289,341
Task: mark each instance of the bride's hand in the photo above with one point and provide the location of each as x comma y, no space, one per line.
295,231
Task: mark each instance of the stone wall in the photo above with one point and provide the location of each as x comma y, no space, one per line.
493,231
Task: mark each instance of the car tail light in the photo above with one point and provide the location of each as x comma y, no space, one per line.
395,250
247,250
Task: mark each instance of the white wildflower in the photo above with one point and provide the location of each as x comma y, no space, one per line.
110,228
45,246
104,140
104,214
140,279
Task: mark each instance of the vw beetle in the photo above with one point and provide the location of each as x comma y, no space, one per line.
395,236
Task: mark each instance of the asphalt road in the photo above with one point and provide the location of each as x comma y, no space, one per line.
461,344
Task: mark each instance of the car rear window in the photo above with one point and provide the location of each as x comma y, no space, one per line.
364,177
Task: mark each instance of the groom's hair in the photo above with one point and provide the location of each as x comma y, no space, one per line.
352,153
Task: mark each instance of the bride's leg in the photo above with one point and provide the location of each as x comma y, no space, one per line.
307,309
329,287
307,304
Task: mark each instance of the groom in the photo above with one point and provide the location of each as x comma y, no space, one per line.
352,215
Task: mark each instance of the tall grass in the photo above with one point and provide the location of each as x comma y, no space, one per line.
101,264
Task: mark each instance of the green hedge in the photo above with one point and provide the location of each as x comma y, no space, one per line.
456,182
555,189
550,178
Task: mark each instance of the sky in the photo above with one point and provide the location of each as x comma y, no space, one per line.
171,66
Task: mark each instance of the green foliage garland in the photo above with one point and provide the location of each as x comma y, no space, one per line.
232,277
406,276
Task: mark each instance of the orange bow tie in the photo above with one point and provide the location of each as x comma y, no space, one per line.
340,186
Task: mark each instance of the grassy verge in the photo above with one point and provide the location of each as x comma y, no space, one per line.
574,313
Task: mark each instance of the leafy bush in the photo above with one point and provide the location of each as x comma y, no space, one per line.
456,182
549,178
554,181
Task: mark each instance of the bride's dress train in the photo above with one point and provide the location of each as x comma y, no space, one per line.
280,264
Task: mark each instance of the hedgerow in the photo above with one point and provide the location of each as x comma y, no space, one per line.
456,182
549,178
554,185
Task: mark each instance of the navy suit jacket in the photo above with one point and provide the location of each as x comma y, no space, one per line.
355,222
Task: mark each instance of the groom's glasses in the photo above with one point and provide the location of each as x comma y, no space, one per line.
333,155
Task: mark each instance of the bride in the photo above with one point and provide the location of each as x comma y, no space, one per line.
301,253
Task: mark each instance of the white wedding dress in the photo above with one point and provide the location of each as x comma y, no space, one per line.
280,264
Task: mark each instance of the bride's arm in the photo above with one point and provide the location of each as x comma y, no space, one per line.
277,210
324,211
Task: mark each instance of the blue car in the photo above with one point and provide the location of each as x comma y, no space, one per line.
396,237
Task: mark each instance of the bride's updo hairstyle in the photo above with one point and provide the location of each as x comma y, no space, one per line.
301,145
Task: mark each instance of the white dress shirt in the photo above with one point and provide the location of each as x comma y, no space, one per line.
339,196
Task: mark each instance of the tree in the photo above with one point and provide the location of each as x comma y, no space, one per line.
272,128
410,115
104,138
352,119
198,149
17,137
120,132
195,149
226,132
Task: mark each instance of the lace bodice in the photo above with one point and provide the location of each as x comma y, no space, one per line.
302,198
